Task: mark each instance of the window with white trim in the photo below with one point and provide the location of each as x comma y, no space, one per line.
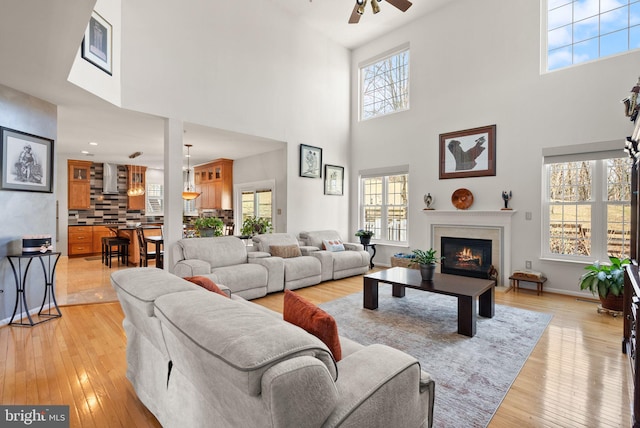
587,207
155,199
384,85
384,206
257,203
583,30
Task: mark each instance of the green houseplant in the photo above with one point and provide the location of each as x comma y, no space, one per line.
256,226
607,281
208,226
427,261
365,236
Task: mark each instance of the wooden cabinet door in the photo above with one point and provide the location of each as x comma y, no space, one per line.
79,185
99,232
80,240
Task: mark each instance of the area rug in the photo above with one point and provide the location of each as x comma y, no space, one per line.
472,374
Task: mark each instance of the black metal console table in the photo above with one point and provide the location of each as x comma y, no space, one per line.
49,268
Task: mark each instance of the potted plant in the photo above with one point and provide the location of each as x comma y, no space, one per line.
427,261
607,280
365,236
256,226
208,226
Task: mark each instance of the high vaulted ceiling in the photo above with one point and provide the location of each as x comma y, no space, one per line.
36,32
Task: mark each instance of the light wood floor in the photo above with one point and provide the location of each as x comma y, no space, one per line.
575,377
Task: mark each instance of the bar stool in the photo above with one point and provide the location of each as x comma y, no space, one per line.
115,246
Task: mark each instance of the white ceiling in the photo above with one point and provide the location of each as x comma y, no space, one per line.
84,118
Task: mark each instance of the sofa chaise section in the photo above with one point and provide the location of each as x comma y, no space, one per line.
354,260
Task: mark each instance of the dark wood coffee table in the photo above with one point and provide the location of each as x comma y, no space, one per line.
464,288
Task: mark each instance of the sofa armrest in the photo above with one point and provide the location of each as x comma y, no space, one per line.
191,267
307,250
257,255
353,246
380,386
298,392
326,264
275,271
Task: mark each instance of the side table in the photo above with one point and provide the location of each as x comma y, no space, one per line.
373,247
49,268
516,278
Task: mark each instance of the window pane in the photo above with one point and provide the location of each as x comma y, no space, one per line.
560,16
585,51
385,86
560,58
586,29
634,37
397,194
585,9
247,205
618,230
263,198
614,43
614,20
372,191
618,180
552,4
570,229
559,37
634,14
397,224
373,220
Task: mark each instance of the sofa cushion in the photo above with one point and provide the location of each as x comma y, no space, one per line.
315,238
218,251
333,245
206,283
242,342
306,315
285,251
264,242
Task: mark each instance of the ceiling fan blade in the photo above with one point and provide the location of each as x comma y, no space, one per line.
355,16
403,5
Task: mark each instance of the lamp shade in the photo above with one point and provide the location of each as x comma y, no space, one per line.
189,196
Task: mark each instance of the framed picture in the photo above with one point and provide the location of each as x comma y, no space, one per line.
96,45
310,161
333,180
26,162
468,153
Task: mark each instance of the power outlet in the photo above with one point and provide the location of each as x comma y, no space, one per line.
527,264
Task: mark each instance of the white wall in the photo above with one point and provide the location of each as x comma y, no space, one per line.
253,70
475,64
25,213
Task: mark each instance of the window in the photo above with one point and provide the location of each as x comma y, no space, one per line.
257,203
384,85
155,199
583,30
587,208
383,206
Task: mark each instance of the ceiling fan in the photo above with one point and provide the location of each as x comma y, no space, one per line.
358,9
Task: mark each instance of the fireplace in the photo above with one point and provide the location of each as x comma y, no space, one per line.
466,256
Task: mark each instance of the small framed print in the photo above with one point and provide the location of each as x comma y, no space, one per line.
96,45
468,153
333,180
26,162
310,161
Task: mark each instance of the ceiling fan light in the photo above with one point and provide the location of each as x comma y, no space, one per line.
374,6
361,7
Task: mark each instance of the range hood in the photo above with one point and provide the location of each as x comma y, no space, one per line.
110,179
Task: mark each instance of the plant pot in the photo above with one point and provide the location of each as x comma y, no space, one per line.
207,232
365,240
427,270
613,302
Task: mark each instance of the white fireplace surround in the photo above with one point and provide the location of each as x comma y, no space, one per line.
493,225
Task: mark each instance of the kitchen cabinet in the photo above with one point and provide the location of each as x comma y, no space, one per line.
98,233
79,188
214,181
80,240
136,180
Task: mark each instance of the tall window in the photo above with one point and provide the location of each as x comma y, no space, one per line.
384,85
155,199
383,206
587,209
257,203
583,30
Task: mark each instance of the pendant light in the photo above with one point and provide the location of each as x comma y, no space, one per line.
135,188
189,194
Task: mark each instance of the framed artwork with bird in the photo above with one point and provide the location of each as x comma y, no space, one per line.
468,153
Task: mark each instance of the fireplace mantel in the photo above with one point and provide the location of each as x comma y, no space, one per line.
475,221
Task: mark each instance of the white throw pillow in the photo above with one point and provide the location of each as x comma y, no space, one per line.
333,245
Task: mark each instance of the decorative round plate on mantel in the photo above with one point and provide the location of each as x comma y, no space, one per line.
462,199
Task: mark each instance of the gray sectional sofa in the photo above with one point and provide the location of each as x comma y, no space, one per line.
252,272
198,359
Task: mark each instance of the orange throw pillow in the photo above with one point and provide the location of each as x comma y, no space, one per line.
314,320
205,282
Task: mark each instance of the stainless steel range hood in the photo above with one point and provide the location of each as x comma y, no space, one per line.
110,179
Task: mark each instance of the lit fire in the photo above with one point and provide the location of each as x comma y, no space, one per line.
466,256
